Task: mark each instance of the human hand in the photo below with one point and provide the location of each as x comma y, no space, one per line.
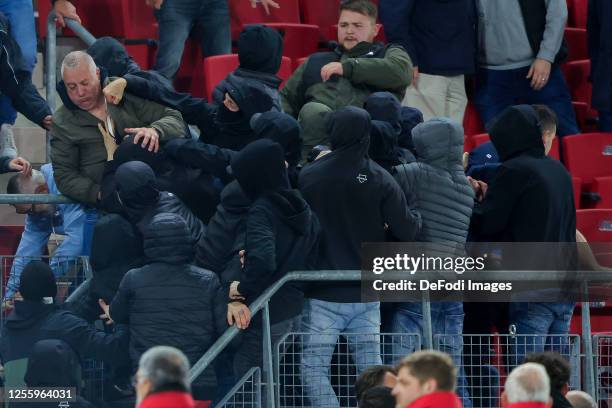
539,73
156,4
266,4
106,315
240,313
230,104
47,122
113,92
65,9
480,188
149,137
333,68
22,165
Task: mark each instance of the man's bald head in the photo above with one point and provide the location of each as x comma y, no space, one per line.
82,80
580,399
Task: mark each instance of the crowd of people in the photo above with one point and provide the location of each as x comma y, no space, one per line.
190,209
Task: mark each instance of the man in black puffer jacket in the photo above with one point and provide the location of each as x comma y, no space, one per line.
282,235
168,301
439,190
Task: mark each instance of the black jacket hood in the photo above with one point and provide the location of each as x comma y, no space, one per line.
114,243
260,48
410,117
282,129
136,188
517,131
112,55
385,107
52,363
260,168
348,128
293,210
251,96
383,145
168,239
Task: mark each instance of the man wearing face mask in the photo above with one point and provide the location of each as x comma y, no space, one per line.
70,220
358,67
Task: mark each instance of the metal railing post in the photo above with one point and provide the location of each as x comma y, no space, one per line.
50,72
267,344
427,327
589,368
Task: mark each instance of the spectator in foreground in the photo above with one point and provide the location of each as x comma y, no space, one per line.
440,37
375,376
53,363
73,221
169,295
341,188
558,371
426,379
580,399
527,386
599,26
358,67
86,131
161,380
521,47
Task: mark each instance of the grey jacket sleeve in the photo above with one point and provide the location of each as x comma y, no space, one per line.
556,17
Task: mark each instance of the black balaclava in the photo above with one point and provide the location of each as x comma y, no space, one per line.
52,363
385,107
517,131
410,118
383,145
260,168
136,188
37,282
112,55
348,127
260,48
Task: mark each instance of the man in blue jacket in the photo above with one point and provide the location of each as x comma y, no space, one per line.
440,37
73,221
599,26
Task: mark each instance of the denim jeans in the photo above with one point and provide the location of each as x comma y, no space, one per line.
21,17
549,321
322,323
605,121
499,89
446,320
177,18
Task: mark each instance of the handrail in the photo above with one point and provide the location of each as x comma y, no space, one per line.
35,199
51,60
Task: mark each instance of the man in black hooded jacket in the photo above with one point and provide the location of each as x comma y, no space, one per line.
253,86
282,235
530,199
355,199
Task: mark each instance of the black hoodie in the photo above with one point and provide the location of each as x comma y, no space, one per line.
168,301
354,198
53,363
282,233
141,199
530,199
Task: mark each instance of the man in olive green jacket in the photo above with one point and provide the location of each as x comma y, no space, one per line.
86,131
328,81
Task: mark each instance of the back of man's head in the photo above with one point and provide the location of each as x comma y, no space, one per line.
428,364
22,184
527,383
557,368
371,377
580,399
260,49
377,397
37,282
166,368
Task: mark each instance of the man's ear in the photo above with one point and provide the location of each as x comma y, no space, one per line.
98,73
430,386
377,28
565,389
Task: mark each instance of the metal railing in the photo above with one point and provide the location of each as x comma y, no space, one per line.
602,344
246,393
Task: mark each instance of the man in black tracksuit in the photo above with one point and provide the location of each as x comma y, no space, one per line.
282,235
355,200
168,301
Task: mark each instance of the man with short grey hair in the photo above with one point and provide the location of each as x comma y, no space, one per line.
161,380
580,399
86,131
527,386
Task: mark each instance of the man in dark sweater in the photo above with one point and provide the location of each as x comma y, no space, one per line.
440,37
599,27
354,198
521,47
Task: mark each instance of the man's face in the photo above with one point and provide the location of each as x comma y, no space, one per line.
83,86
408,388
547,138
354,28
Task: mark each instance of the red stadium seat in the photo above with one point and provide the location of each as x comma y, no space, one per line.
589,156
577,77
323,13
218,67
577,187
578,11
472,124
576,39
479,139
241,14
595,225
554,150
299,40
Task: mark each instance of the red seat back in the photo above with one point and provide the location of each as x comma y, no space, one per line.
578,12
472,124
588,155
241,13
323,13
576,39
299,40
577,187
479,139
595,224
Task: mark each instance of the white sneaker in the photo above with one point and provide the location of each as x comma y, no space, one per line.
7,141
